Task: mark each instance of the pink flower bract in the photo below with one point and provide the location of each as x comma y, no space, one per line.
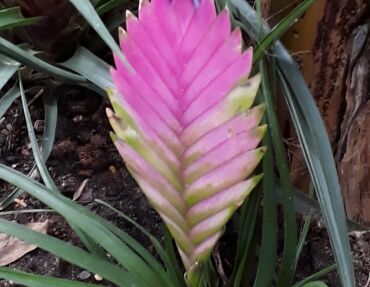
184,121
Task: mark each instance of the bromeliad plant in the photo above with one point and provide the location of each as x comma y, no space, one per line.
185,125
183,120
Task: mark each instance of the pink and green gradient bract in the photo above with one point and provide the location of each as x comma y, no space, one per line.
183,119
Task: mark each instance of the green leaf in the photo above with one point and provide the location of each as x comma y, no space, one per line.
151,260
303,234
319,157
23,211
45,175
247,222
35,148
280,29
51,116
290,225
171,260
11,17
87,222
50,125
28,59
313,137
8,67
220,4
315,276
87,10
315,284
310,207
8,99
69,253
91,67
268,252
109,5
32,280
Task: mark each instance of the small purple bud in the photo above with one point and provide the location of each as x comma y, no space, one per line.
196,2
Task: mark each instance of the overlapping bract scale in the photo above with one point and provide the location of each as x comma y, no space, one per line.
183,118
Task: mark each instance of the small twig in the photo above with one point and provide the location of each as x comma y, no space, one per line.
368,281
282,10
36,97
219,267
80,190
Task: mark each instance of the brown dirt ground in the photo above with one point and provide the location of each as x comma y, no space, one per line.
83,150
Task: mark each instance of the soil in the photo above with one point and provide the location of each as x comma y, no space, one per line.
83,151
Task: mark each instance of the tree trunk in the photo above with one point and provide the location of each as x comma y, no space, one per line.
332,44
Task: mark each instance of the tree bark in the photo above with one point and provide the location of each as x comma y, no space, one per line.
332,44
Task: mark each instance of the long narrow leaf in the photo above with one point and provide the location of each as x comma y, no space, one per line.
315,276
85,220
11,17
310,207
51,116
290,225
268,251
45,175
8,99
280,29
153,262
318,154
8,67
35,148
12,51
172,263
87,10
69,253
91,67
316,146
109,5
246,231
32,280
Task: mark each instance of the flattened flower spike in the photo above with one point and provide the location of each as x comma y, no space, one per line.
183,119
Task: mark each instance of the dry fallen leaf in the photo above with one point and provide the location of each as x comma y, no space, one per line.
80,190
11,248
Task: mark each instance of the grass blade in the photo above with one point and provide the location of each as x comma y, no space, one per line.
11,17
51,116
8,67
321,165
151,261
315,284
8,99
248,218
316,146
32,280
87,222
91,67
87,10
26,58
109,5
315,276
35,147
303,235
91,245
290,225
280,29
69,253
268,251
310,207
24,211
172,262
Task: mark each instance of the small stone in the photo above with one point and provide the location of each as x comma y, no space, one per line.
84,275
98,277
